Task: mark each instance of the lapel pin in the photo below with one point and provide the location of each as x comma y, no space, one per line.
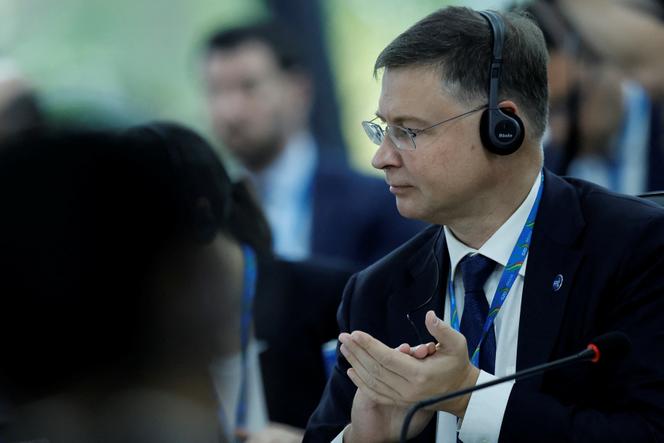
557,282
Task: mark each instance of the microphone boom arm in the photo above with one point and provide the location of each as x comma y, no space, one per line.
588,354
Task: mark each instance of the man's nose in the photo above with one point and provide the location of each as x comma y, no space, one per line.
231,105
386,155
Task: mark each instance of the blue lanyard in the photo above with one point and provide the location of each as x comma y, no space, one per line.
248,293
637,110
245,330
507,279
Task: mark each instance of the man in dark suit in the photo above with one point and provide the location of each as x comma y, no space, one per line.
527,267
295,302
259,94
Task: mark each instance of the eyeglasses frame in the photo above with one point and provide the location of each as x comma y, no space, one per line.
412,133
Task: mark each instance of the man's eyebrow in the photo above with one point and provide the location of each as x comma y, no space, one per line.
398,120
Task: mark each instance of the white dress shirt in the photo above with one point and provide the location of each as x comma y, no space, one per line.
285,188
486,408
227,376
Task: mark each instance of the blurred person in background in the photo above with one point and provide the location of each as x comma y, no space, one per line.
20,110
127,311
629,34
259,98
122,267
263,395
605,122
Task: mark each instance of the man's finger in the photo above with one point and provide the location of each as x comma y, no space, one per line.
448,339
395,362
370,377
423,351
371,364
373,395
405,348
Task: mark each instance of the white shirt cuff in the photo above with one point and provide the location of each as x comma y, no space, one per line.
340,438
486,408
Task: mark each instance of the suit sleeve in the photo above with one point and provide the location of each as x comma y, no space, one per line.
629,407
333,412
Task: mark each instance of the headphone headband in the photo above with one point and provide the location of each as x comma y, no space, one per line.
497,33
497,37
502,132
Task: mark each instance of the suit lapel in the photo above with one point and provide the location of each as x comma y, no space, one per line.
552,263
321,213
426,274
554,252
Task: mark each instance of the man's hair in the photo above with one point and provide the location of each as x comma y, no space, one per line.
89,218
457,41
284,45
207,200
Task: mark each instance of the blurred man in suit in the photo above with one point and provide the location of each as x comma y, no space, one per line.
524,267
259,99
20,110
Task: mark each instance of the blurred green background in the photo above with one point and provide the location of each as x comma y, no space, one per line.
127,61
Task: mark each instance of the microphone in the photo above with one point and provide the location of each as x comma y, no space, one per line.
609,347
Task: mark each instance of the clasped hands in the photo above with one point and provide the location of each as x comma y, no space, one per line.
406,375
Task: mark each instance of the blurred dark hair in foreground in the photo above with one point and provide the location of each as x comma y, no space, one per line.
118,260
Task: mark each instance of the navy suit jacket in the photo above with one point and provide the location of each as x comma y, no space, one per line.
293,316
609,248
355,218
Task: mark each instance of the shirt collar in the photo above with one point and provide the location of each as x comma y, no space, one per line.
292,170
500,245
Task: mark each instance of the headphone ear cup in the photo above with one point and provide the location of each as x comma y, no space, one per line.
518,141
484,131
504,120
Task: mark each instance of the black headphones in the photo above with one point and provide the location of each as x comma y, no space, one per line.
501,131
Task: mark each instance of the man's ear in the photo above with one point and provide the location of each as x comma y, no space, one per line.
509,106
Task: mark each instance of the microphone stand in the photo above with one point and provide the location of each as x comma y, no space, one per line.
588,354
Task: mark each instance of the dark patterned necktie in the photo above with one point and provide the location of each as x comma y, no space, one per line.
475,269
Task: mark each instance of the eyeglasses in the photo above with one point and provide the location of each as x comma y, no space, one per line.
403,138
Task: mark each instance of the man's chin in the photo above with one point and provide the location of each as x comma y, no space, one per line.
406,209
255,159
